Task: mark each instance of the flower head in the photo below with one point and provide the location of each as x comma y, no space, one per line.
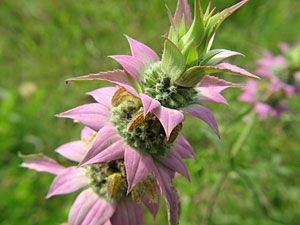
123,133
180,81
281,80
105,199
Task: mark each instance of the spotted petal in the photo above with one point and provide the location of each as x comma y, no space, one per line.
137,166
204,114
93,115
90,209
142,52
128,213
69,180
169,118
43,164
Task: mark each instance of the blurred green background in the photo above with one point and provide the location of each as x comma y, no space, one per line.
42,42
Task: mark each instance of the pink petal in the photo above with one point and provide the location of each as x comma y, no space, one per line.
104,138
226,67
90,209
93,115
153,207
164,178
128,213
137,165
284,47
142,52
132,65
204,114
43,164
174,162
103,95
183,147
74,151
210,89
86,133
118,77
263,110
183,11
149,104
249,94
169,118
69,180
113,152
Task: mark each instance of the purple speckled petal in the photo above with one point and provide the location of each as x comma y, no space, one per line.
113,152
128,213
183,11
86,133
104,138
43,164
118,77
75,150
93,115
142,52
137,166
89,209
69,180
174,162
149,104
183,147
103,95
132,65
169,118
164,178
210,89
204,114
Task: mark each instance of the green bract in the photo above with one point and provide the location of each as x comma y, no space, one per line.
189,44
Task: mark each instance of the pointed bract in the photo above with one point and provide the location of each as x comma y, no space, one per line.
69,180
43,164
204,114
89,209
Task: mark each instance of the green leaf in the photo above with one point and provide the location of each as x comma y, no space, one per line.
173,61
217,56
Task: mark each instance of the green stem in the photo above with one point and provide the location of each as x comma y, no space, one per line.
232,154
243,137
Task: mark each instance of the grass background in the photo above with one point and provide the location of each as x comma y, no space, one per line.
44,42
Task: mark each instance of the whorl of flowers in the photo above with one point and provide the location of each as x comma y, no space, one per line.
135,147
281,75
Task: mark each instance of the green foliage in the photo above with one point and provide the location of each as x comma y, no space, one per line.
44,42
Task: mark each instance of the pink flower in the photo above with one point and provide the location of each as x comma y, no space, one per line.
174,85
144,152
105,199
